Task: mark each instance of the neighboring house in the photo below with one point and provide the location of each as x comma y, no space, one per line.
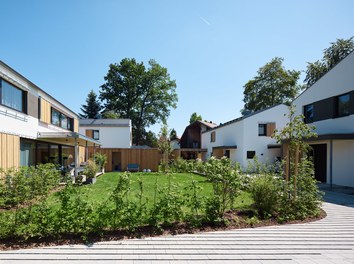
112,133
191,140
244,138
35,127
329,105
115,136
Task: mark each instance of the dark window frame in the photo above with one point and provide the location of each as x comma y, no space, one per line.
93,134
69,123
265,129
338,113
212,136
251,154
24,109
309,118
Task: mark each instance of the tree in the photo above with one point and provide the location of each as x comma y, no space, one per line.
109,115
149,139
144,95
164,146
272,85
173,134
331,56
92,107
195,117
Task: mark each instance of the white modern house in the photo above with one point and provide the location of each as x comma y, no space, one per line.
244,138
329,105
35,127
112,133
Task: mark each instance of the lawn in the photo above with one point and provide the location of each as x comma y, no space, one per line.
105,185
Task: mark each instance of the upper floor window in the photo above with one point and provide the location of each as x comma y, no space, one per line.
61,120
343,105
262,129
13,97
308,113
96,134
212,136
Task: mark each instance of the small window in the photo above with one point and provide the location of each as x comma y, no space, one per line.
212,137
343,105
55,117
308,113
251,154
96,134
262,129
227,153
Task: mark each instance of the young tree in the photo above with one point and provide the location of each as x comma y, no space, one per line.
164,145
92,107
272,85
145,95
195,117
331,56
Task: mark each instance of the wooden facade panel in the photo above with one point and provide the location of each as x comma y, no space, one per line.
270,129
146,158
89,133
9,151
76,125
45,111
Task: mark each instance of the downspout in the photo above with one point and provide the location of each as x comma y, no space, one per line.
331,164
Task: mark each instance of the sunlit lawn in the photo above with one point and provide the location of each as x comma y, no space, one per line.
101,190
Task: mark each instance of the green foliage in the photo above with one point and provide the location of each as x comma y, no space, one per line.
265,190
26,183
91,169
195,117
100,160
92,108
181,165
165,147
331,56
272,85
144,95
226,181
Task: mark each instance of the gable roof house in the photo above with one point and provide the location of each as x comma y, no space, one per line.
244,138
329,105
191,140
35,127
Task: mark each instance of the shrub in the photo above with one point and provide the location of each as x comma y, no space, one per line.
265,190
91,169
100,160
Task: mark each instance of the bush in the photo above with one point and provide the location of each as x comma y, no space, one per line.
91,169
100,160
265,190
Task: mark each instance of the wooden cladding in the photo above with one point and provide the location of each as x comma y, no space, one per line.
45,112
9,151
119,158
76,125
89,133
270,129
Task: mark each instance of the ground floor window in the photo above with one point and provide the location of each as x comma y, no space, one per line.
35,152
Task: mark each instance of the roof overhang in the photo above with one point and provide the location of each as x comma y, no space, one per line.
273,146
346,136
226,147
193,150
68,138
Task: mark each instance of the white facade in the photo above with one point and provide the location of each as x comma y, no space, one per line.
242,135
112,133
335,131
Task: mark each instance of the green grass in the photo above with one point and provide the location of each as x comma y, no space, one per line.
101,190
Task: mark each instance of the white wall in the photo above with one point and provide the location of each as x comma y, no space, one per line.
111,137
343,165
244,134
337,81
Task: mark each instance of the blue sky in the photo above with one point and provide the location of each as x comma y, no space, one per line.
211,48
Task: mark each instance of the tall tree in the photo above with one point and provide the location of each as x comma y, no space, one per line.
92,107
272,85
331,56
195,117
145,95
173,134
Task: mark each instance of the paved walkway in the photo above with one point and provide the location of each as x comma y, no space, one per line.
330,240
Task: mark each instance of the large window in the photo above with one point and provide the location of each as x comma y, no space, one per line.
61,120
343,105
12,97
308,113
27,152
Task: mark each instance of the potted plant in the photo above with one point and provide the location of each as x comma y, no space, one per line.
90,172
101,161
